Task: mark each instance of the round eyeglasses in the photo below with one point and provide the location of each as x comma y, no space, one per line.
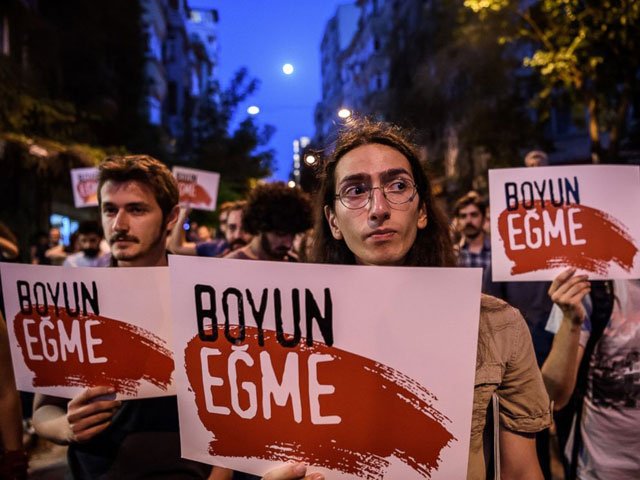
396,192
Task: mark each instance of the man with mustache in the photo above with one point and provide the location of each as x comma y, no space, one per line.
475,247
107,438
274,214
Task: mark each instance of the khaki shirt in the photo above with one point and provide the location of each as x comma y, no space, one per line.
505,365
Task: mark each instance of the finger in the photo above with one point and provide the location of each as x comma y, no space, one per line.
560,279
289,471
88,434
89,422
574,288
77,413
563,288
89,393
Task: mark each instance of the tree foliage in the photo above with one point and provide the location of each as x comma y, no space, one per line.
588,49
455,83
238,152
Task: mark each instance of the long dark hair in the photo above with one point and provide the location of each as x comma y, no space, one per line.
432,246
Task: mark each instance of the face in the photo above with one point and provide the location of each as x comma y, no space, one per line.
133,223
470,221
54,236
223,221
381,233
276,245
89,243
203,233
234,232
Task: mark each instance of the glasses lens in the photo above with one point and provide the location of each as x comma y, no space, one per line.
399,191
355,196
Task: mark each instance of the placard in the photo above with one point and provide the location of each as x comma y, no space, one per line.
71,328
84,182
198,188
361,372
546,219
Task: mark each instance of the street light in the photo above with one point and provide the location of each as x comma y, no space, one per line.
291,184
310,159
344,113
253,110
287,69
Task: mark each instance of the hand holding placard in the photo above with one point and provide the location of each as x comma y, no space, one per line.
90,412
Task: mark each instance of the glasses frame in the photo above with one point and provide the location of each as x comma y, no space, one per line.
413,185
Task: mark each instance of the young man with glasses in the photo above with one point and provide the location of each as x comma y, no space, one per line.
378,209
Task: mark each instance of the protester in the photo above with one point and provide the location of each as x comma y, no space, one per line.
107,438
48,248
379,210
9,249
274,214
536,158
475,246
596,358
13,459
533,302
90,255
235,236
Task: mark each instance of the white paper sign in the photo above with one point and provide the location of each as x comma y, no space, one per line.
198,188
71,328
358,371
546,219
84,182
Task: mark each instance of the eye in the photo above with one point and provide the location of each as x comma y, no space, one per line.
137,210
398,185
108,210
355,190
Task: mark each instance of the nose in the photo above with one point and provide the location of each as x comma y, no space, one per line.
121,222
379,210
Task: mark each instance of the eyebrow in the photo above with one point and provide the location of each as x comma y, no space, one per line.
384,176
130,204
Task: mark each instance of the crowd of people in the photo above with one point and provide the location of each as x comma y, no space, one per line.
541,345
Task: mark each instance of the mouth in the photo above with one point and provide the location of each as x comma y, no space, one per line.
381,234
122,240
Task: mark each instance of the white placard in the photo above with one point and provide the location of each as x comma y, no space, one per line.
546,219
358,371
70,328
84,182
198,188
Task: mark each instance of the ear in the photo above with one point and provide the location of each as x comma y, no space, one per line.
331,220
172,218
422,217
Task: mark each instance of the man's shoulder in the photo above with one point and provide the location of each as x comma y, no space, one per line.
212,248
496,314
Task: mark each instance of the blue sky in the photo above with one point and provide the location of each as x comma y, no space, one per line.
263,35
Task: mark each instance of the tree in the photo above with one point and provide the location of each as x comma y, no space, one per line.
239,154
588,49
455,84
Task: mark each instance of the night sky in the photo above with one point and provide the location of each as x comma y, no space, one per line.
263,35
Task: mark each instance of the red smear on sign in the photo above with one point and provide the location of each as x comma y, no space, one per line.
602,240
193,193
382,412
123,355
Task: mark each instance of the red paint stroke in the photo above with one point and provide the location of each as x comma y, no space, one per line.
133,354
194,193
607,242
383,412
